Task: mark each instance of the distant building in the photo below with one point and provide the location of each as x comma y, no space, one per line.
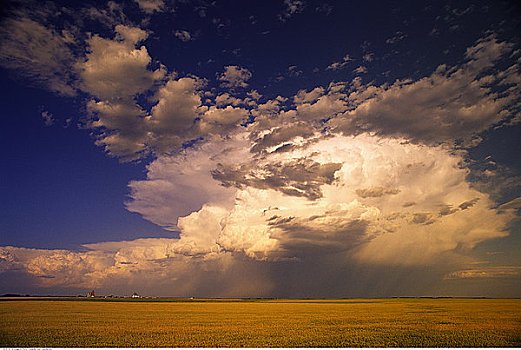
135,295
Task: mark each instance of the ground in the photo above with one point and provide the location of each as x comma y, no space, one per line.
97,322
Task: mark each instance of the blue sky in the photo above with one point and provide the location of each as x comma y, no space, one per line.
281,148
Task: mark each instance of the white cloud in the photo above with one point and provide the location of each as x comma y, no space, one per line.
110,16
306,97
179,185
178,106
282,136
171,121
419,173
369,57
398,36
48,120
340,65
388,203
452,103
294,72
486,272
114,72
153,266
131,35
38,53
127,130
116,69
216,120
226,99
388,200
292,7
151,6
123,133
235,76
183,35
315,106
360,69
325,9
254,94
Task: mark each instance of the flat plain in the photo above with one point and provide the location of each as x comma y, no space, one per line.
424,322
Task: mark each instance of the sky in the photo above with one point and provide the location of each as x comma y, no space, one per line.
288,148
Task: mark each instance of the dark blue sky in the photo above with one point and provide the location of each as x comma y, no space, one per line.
58,189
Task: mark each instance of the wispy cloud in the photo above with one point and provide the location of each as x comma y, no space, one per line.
486,272
398,36
48,119
151,6
38,53
292,7
183,35
341,64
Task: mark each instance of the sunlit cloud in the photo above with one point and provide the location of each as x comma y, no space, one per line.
151,6
490,272
235,76
38,53
377,201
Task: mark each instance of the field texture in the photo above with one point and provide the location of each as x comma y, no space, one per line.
265,323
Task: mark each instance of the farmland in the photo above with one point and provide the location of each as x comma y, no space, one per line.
82,322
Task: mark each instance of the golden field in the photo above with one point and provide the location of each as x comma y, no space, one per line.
82,322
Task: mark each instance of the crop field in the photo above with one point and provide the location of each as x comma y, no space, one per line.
260,323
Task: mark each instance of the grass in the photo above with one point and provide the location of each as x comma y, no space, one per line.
261,323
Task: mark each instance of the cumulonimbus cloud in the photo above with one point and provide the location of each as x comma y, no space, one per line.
390,203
